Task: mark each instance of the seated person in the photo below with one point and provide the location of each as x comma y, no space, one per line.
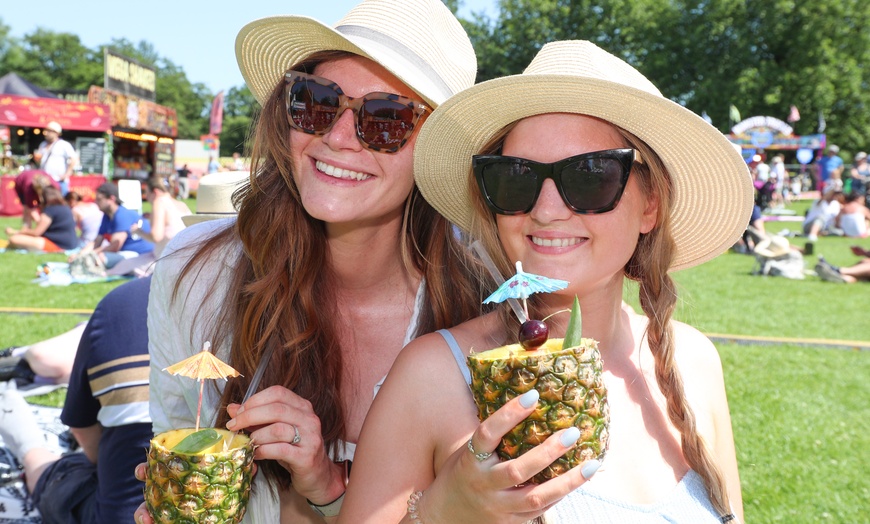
116,242
821,216
166,221
854,216
88,217
28,187
54,232
50,360
107,411
846,275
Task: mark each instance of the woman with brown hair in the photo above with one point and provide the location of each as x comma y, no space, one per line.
582,171
334,261
55,232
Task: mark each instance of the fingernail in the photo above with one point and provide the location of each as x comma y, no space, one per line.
241,408
529,398
589,468
570,437
231,423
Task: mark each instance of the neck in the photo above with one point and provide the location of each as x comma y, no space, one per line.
364,258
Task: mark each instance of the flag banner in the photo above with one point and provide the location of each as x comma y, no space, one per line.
793,114
734,114
822,123
706,117
216,118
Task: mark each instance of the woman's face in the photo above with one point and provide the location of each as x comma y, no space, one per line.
551,240
340,181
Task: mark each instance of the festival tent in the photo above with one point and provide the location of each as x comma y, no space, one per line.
12,84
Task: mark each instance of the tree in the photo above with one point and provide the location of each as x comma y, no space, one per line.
240,108
760,55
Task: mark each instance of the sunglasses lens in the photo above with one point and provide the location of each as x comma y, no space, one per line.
312,106
385,123
592,184
510,186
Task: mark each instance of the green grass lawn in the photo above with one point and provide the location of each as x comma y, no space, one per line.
800,414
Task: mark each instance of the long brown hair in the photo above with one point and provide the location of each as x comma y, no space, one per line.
282,290
648,266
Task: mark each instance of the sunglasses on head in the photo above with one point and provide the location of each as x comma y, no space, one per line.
384,121
589,184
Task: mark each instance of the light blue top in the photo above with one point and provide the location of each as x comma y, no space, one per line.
689,503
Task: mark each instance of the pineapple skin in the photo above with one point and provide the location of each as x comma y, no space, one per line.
572,393
209,487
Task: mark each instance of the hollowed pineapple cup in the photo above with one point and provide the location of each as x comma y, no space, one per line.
209,486
571,391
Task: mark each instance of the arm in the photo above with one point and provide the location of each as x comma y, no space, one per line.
158,222
41,227
88,438
414,439
116,242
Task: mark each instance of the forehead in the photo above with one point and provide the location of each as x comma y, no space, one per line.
554,136
358,76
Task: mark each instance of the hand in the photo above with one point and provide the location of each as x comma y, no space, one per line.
471,490
141,516
273,418
135,227
10,231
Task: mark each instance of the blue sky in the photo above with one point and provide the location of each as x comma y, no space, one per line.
198,36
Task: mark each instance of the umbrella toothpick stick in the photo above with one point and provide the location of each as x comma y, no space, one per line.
199,367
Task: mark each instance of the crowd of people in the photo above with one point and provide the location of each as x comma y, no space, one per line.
344,257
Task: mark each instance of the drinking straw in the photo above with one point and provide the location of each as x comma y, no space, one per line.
499,280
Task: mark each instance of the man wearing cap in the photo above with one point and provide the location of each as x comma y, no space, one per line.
829,168
56,156
115,242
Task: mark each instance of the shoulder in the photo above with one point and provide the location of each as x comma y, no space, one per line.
695,353
196,234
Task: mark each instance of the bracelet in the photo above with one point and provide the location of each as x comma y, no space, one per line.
413,511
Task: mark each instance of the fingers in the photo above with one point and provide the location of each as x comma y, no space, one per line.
521,469
141,471
532,500
490,432
141,515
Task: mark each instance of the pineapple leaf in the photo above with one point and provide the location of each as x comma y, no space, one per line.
196,442
575,327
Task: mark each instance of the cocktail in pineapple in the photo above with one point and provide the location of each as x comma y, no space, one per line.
567,374
199,475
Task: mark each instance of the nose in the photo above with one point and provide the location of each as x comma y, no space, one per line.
550,206
342,134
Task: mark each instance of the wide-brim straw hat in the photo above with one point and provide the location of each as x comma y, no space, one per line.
214,196
712,189
419,41
772,247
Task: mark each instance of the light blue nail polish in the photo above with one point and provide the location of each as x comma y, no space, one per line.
589,468
570,437
231,423
529,398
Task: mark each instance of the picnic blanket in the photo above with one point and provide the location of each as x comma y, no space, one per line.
57,274
15,505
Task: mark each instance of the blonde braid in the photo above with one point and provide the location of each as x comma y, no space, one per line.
658,297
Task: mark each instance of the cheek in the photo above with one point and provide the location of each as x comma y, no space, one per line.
510,234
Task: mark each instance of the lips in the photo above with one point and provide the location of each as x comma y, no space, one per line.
337,172
555,242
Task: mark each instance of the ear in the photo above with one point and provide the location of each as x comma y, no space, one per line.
650,214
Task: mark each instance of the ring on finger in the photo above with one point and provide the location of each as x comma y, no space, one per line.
479,456
297,438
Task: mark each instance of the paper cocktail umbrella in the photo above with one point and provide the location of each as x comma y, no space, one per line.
200,367
522,285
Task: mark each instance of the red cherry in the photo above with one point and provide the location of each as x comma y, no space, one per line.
533,334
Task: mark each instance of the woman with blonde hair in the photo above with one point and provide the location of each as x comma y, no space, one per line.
582,171
334,262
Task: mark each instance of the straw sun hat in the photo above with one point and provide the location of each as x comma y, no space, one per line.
214,197
713,193
419,41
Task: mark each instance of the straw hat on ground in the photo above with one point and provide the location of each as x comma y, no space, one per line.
772,247
713,192
214,197
419,41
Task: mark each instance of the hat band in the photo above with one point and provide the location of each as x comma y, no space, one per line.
387,43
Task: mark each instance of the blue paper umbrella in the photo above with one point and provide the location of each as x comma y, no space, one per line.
522,285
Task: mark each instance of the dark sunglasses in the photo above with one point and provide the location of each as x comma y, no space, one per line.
384,121
589,184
